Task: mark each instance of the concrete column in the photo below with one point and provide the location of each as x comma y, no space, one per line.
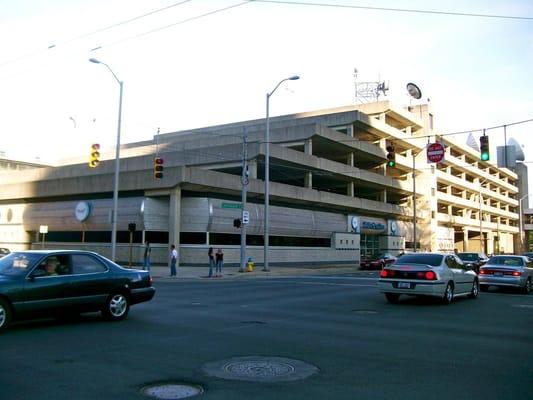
252,169
350,189
350,159
383,196
308,147
465,239
308,180
350,131
490,243
174,222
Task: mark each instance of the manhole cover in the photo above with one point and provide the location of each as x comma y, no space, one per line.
260,369
171,391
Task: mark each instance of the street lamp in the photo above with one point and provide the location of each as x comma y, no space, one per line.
117,163
267,169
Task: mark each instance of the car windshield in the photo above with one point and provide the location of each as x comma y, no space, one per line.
18,263
507,261
430,259
468,256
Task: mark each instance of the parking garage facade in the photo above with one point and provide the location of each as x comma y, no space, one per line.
332,196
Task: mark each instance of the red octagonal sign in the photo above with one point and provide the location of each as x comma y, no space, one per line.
435,152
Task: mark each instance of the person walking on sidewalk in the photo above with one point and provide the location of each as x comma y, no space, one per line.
219,258
146,257
173,260
211,255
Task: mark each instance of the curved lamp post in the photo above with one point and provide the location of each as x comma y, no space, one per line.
267,169
117,164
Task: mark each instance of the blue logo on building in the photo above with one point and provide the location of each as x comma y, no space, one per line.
375,226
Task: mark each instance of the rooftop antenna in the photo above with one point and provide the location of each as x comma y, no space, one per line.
368,92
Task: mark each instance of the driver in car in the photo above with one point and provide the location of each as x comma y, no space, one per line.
51,265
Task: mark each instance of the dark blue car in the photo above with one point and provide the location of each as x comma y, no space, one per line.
36,284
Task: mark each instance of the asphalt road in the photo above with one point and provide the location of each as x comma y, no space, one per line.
362,347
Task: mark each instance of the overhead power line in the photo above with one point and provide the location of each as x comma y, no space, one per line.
127,21
196,17
84,35
404,10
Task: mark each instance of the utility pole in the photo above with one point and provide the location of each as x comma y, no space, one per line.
244,185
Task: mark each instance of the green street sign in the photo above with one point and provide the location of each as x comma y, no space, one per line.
231,205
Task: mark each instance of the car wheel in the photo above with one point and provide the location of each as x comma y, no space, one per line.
448,294
392,297
475,290
527,287
116,307
5,315
483,288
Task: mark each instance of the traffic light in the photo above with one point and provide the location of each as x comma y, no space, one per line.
158,168
391,156
484,154
237,223
94,158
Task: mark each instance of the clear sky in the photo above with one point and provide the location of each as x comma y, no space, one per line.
193,71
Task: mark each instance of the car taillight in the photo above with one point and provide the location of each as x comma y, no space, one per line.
482,272
151,281
383,273
430,276
516,273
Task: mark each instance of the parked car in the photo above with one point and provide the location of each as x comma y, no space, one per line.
54,283
4,252
529,255
473,260
428,274
376,261
510,271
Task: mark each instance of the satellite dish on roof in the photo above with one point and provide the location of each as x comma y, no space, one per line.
414,91
519,151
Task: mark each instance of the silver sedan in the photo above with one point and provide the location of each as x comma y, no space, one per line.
510,271
428,274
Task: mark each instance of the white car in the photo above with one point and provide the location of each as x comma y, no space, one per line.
428,274
507,271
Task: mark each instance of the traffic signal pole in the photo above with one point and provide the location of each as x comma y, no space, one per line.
414,202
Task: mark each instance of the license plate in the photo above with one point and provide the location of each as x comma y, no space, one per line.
404,285
498,274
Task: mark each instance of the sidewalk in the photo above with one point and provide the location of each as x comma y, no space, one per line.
184,272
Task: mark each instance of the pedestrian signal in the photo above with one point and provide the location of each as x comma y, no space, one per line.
158,168
391,156
94,156
484,154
